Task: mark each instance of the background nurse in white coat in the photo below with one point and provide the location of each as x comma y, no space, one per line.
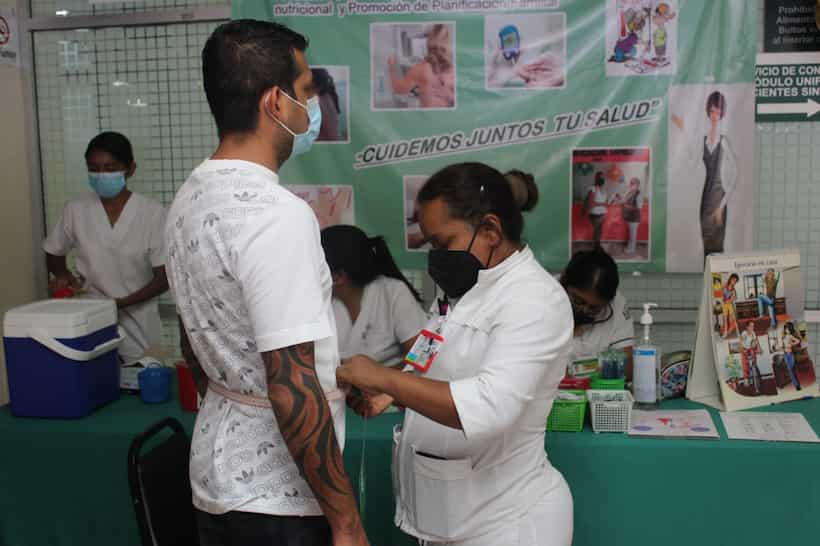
469,465
378,312
600,312
117,236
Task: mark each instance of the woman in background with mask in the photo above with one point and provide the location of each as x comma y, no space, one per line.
469,463
117,237
601,316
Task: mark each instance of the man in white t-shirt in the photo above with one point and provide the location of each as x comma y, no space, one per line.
253,291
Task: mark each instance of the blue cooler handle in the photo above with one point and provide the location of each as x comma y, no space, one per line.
41,337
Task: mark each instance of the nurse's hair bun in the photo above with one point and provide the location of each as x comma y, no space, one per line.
524,190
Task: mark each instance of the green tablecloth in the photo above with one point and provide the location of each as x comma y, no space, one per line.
65,482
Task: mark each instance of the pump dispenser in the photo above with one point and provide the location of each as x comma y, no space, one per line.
646,366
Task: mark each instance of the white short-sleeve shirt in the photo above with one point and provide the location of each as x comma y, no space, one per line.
616,333
389,316
248,275
116,261
504,354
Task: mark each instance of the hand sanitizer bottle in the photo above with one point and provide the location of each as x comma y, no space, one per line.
646,383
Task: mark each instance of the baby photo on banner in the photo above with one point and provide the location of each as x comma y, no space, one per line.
413,65
333,89
610,191
641,37
710,190
525,50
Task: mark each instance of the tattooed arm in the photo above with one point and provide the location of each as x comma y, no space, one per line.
304,419
200,378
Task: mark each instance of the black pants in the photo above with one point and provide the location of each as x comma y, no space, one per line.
248,529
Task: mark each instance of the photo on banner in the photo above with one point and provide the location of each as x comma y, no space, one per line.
641,37
333,89
525,50
710,181
413,66
333,205
610,202
413,237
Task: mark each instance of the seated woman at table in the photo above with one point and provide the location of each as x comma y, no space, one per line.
378,312
601,315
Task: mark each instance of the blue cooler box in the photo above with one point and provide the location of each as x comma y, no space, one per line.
61,357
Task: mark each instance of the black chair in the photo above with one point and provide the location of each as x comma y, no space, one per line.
160,488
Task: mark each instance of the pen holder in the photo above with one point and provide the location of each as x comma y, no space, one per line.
568,411
611,410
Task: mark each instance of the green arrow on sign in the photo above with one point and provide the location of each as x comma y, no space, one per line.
810,108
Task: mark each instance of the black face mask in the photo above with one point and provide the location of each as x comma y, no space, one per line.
582,318
579,314
455,271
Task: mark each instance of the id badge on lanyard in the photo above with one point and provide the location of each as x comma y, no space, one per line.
429,343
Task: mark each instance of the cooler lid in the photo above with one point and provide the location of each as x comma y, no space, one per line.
72,313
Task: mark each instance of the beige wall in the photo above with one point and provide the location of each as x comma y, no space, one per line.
17,248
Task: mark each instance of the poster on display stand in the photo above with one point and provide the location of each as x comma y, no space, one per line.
530,85
751,346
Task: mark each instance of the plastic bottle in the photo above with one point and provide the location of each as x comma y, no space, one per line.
646,383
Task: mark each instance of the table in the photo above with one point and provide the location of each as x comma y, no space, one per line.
65,482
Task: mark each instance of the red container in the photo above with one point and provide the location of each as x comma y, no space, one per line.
574,383
187,387
66,292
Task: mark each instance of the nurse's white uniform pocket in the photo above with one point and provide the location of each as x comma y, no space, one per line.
442,489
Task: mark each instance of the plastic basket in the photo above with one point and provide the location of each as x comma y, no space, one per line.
600,384
611,410
567,415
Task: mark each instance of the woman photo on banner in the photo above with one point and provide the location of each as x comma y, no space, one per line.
721,176
710,173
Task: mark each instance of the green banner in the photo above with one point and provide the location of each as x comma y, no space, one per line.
573,91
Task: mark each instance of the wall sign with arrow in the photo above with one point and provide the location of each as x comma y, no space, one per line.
788,86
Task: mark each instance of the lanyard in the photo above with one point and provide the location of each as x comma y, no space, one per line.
443,313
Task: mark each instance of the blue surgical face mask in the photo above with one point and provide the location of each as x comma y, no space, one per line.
303,141
107,185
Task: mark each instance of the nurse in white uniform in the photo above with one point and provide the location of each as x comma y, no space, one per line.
378,312
600,312
117,236
469,465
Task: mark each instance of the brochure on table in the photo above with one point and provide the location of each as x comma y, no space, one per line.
751,347
769,427
673,424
